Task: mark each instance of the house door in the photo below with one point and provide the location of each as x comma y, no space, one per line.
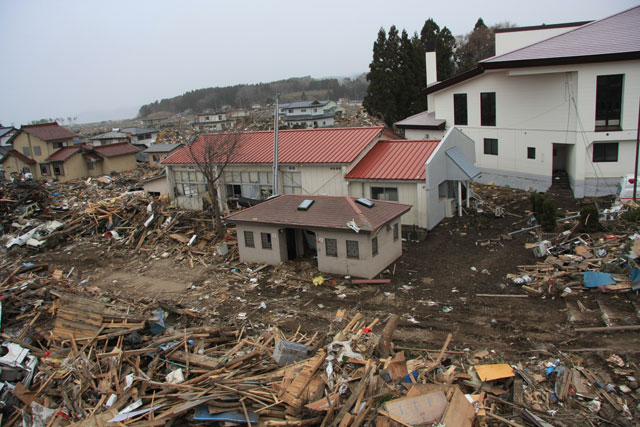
291,243
560,157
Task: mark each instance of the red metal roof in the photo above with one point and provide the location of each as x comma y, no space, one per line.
330,145
49,132
18,155
63,154
398,160
119,149
326,212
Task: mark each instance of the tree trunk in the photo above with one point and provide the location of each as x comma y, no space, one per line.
217,213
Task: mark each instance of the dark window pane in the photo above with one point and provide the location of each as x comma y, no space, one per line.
395,232
266,240
488,109
609,102
531,152
353,249
491,146
331,246
384,193
460,109
605,152
374,246
248,239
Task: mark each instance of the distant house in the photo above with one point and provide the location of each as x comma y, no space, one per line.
85,160
342,235
423,125
157,185
146,136
39,142
155,121
6,135
431,175
158,152
14,162
306,114
212,122
113,137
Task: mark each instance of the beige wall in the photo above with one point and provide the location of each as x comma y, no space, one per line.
119,163
15,165
159,185
407,193
367,265
74,167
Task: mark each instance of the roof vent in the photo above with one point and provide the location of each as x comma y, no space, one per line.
305,205
365,202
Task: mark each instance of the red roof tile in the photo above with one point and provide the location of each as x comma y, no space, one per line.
326,212
399,160
119,149
18,155
331,145
63,154
49,132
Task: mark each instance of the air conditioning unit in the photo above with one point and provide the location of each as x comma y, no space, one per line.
450,207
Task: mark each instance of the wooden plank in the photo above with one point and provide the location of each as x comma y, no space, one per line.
196,359
460,412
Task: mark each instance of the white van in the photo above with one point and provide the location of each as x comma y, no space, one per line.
625,189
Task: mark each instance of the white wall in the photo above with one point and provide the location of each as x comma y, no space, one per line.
407,193
536,107
424,133
506,42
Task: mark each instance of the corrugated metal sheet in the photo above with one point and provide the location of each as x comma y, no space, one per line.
619,33
326,212
397,160
333,145
426,118
463,162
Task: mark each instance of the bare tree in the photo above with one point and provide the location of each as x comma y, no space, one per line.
211,154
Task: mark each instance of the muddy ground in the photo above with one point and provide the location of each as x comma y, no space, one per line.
434,287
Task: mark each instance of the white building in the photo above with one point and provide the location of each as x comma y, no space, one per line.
141,136
565,104
207,122
307,114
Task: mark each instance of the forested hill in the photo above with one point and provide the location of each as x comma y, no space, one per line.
243,96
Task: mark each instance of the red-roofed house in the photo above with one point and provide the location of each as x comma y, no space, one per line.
311,161
345,237
38,142
427,174
85,160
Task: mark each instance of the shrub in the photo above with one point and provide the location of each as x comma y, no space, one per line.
537,200
590,218
549,216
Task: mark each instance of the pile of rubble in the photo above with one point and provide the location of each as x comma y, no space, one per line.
113,211
69,360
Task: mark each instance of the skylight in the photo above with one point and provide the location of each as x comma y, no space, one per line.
305,205
365,202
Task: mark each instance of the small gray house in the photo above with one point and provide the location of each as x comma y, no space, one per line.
356,237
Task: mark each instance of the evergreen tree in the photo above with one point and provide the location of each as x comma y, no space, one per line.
444,43
410,99
378,93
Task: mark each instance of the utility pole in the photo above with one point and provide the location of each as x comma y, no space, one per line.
635,171
275,145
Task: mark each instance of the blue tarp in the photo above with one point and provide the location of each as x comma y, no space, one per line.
202,414
635,279
593,279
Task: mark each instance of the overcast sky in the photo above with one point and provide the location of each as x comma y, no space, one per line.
102,60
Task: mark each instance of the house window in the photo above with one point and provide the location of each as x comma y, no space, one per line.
156,158
443,189
57,145
491,146
290,111
253,185
90,166
352,249
248,239
384,193
315,110
266,240
26,151
605,152
44,170
58,169
303,110
460,109
37,151
531,152
609,102
488,109
396,234
189,183
291,182
331,247
374,246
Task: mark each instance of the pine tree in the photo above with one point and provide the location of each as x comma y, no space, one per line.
374,100
444,44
